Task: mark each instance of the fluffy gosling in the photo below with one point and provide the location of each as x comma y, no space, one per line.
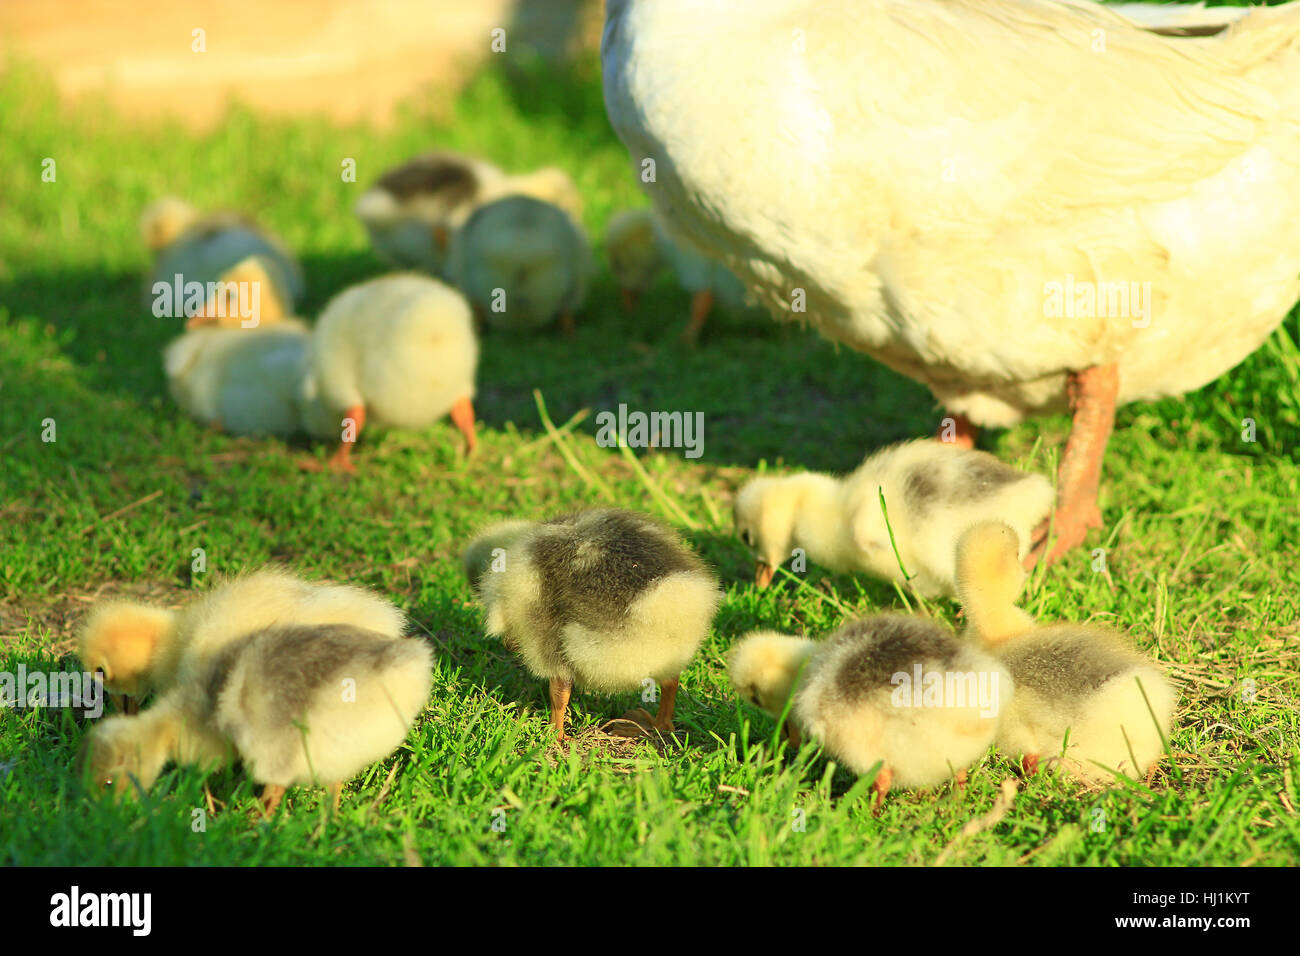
891,689
281,673
603,600
1085,698
396,352
522,263
932,492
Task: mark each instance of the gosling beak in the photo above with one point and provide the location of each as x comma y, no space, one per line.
462,415
628,298
198,321
763,573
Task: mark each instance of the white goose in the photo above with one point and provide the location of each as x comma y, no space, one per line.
1026,205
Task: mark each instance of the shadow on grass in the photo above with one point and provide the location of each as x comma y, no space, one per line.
766,391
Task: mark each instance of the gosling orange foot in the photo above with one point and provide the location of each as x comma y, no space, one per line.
881,788
662,721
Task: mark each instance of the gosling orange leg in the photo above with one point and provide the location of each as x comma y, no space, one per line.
1029,764
560,692
341,460
958,431
663,721
881,788
701,306
960,780
462,416
272,794
638,722
336,794
1092,395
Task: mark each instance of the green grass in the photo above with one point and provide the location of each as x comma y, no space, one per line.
1200,531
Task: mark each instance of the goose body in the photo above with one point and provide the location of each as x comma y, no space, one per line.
604,600
932,493
398,352
1001,199
1063,163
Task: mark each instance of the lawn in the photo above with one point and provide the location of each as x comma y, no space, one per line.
1200,534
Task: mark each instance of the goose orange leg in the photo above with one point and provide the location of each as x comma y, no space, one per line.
462,416
1092,394
958,431
701,306
560,692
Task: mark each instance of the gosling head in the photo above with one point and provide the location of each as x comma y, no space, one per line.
111,756
123,641
165,219
632,247
764,666
765,513
248,292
